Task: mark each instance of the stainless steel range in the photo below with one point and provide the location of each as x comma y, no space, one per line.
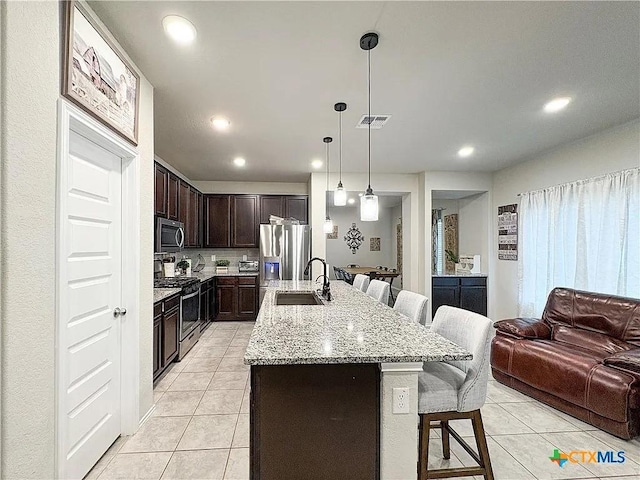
189,309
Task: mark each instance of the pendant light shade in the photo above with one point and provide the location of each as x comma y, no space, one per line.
369,207
328,223
369,201
340,194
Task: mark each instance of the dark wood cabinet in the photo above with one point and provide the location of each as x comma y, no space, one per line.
217,224
236,298
271,205
297,206
194,215
160,190
465,292
173,194
244,221
166,333
207,302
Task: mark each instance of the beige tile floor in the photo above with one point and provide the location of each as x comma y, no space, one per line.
200,427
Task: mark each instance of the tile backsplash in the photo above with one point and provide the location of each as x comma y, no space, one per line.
233,255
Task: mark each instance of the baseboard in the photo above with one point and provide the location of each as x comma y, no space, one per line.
146,416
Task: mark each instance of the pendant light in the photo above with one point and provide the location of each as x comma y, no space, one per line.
369,201
328,224
340,194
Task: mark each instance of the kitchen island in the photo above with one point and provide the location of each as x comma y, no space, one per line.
321,386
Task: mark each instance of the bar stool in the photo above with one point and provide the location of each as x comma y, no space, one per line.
379,290
338,273
452,390
361,282
411,304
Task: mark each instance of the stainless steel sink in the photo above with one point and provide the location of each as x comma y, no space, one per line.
297,298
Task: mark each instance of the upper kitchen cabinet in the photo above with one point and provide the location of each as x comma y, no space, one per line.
244,221
194,219
296,206
271,205
173,189
161,185
231,221
184,194
217,221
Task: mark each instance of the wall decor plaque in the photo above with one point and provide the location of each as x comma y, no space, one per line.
354,238
374,244
333,235
508,232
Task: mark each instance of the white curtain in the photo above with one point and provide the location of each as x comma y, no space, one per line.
583,235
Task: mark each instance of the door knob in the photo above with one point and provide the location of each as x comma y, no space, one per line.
119,311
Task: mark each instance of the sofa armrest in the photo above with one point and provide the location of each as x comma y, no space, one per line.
530,328
627,360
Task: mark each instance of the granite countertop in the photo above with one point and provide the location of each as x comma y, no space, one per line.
160,294
352,328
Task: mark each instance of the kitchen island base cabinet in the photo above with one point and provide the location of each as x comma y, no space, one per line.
315,422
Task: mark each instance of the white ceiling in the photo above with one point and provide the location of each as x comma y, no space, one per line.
450,73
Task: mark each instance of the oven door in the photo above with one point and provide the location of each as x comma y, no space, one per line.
169,236
189,313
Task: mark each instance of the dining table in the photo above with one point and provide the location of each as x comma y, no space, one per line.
373,272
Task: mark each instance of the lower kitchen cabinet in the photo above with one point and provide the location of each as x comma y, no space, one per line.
207,302
166,333
236,298
469,293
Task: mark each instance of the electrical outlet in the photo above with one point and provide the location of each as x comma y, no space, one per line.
213,258
400,400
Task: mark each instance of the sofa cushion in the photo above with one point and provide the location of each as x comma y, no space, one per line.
591,341
627,360
524,327
618,317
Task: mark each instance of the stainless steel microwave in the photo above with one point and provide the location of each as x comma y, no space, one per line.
169,235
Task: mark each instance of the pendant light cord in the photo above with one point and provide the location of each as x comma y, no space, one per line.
340,129
369,88
327,166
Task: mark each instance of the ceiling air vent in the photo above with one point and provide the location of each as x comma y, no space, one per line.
377,121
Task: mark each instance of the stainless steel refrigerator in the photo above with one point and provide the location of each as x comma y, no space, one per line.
284,252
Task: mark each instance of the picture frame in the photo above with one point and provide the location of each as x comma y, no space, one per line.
96,76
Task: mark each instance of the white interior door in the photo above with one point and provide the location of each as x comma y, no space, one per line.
91,288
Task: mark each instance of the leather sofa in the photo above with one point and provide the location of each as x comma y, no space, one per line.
582,357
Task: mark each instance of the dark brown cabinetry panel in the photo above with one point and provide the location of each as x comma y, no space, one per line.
217,225
271,205
193,225
236,298
332,422
170,335
469,293
160,190
244,221
297,206
183,210
173,195
157,348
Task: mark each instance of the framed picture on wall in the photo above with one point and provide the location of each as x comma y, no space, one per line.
95,76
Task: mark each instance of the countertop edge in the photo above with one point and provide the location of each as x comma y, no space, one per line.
351,360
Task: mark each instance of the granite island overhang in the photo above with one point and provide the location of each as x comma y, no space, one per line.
321,386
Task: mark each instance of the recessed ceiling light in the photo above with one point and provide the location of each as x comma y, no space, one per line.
316,164
466,151
179,29
360,194
220,123
556,104
351,201
239,161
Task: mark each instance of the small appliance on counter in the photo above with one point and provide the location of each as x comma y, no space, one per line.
248,266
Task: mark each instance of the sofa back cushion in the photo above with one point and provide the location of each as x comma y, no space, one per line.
616,317
598,343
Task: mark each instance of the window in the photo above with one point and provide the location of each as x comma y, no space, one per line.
583,235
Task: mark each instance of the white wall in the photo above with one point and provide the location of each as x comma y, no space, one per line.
396,218
261,188
28,237
473,227
609,151
339,254
28,146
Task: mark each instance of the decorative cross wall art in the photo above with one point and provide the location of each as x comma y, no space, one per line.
354,238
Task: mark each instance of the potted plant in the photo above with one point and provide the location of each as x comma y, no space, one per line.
222,266
452,257
183,265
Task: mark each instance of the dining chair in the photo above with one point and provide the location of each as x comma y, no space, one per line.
379,290
361,282
453,390
411,304
338,273
353,265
